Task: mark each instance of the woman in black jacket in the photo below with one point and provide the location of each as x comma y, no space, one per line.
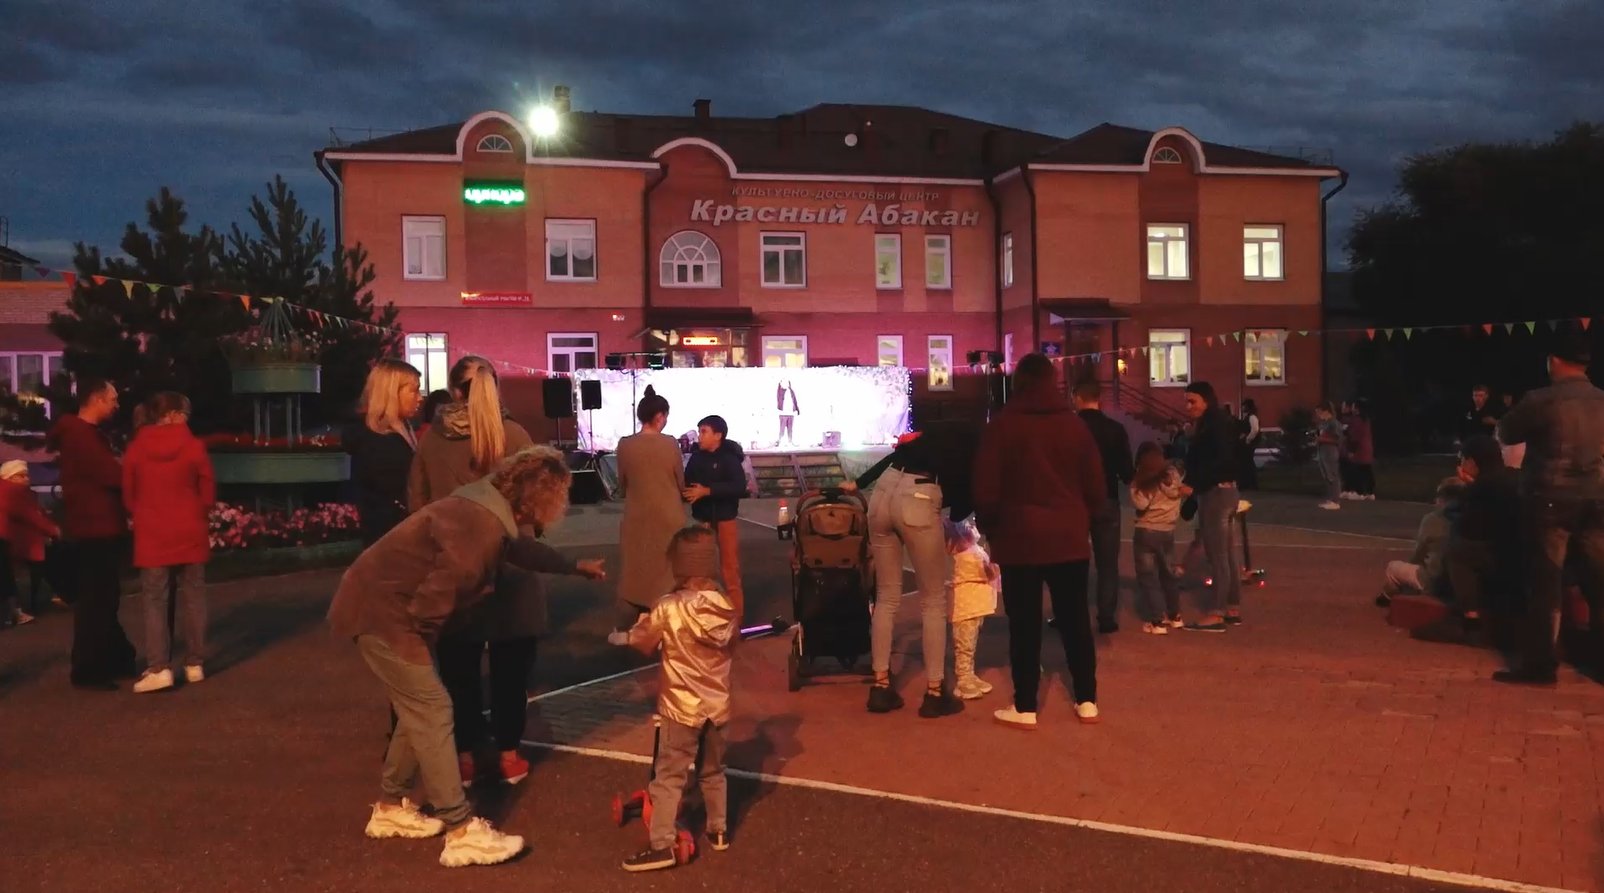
1212,468
381,444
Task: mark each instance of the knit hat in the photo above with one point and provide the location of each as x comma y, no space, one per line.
14,468
694,556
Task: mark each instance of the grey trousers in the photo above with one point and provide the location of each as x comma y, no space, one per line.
1158,594
423,741
1330,473
1215,509
156,585
907,515
677,748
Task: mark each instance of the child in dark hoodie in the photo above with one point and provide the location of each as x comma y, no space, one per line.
168,488
696,625
715,484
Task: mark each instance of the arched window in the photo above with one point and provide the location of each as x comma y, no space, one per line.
689,260
495,142
1166,155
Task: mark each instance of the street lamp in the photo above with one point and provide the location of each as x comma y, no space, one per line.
543,121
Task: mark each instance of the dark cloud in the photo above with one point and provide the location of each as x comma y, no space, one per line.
215,95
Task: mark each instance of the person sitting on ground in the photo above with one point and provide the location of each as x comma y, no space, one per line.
24,528
1156,495
1423,572
424,575
696,625
1483,554
974,598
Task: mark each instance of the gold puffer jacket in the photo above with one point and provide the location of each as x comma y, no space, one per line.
696,628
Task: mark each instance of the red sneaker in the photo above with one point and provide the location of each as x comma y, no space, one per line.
469,767
514,768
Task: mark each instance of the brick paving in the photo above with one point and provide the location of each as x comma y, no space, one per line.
1312,727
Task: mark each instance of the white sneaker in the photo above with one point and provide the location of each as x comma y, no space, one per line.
969,689
154,680
1330,506
22,618
618,637
1348,495
401,821
477,843
194,673
1008,716
1157,629
1370,497
1087,711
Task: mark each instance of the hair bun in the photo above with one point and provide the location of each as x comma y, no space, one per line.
650,392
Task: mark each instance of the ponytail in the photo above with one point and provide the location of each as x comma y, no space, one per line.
475,380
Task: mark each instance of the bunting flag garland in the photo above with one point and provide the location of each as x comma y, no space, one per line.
1531,328
128,286
1586,321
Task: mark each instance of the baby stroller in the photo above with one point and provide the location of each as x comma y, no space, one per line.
832,582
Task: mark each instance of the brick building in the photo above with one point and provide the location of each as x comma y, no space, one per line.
846,234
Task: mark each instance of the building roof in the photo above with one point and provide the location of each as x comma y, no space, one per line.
890,141
12,257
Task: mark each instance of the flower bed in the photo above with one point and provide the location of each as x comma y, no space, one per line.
256,347
246,443
235,527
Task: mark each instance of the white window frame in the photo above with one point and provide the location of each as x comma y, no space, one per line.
939,246
487,143
1007,259
569,230
11,359
764,249
1166,346
936,357
419,356
553,350
1253,251
763,354
888,245
1255,343
1166,240
682,249
1166,155
416,236
882,347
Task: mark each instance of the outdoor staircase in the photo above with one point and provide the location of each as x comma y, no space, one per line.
792,474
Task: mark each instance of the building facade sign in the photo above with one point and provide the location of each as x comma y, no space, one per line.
497,299
706,210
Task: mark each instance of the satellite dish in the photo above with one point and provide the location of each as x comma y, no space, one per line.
852,139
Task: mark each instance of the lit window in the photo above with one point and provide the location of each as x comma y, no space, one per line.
424,246
938,261
495,142
1261,252
888,350
689,260
1166,155
784,260
1166,251
785,351
1008,259
887,261
1169,357
939,373
30,374
567,351
427,354
571,250
1265,352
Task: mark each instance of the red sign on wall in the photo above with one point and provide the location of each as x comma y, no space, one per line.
497,298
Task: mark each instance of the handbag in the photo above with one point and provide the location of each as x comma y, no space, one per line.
1189,508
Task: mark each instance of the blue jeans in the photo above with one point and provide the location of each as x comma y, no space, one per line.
1215,509
1158,594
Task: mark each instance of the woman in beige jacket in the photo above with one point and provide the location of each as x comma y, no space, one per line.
651,478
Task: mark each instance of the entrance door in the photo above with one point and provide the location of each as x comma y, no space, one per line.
1080,339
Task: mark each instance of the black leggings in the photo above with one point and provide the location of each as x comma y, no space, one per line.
1021,592
1363,478
511,661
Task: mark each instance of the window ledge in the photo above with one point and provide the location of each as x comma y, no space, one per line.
1264,278
1254,383
783,285
1153,278
570,278
685,284
1168,384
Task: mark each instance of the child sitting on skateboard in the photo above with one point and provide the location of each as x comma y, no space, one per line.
696,625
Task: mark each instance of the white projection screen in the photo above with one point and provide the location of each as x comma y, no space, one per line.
867,405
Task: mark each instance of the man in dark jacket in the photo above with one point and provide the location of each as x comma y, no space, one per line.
1562,497
1482,417
1114,445
430,572
93,518
715,484
1038,482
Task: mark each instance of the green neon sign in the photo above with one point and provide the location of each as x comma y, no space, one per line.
493,193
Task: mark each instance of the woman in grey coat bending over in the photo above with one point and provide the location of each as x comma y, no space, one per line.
651,477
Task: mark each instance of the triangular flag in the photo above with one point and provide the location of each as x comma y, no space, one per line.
1303,332
44,272
1209,340
245,301
1097,357
70,278
1370,333
1236,335
128,286
99,280
1509,328
1388,332
1407,333
1553,326
1531,328
1586,321
1488,328
1144,351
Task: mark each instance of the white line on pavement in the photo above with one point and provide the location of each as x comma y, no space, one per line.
1372,865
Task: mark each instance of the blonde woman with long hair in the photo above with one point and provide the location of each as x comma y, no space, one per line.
381,444
466,440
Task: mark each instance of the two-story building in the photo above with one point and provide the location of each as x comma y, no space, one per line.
844,234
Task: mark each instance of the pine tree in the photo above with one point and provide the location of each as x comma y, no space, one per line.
153,338
285,258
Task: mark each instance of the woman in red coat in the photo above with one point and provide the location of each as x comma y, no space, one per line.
24,527
168,488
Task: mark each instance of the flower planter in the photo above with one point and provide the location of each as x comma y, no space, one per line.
281,467
278,378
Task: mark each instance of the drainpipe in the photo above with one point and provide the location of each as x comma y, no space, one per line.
1035,294
647,262
1325,265
334,181
996,251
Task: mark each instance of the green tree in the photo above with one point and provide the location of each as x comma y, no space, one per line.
285,257
149,339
